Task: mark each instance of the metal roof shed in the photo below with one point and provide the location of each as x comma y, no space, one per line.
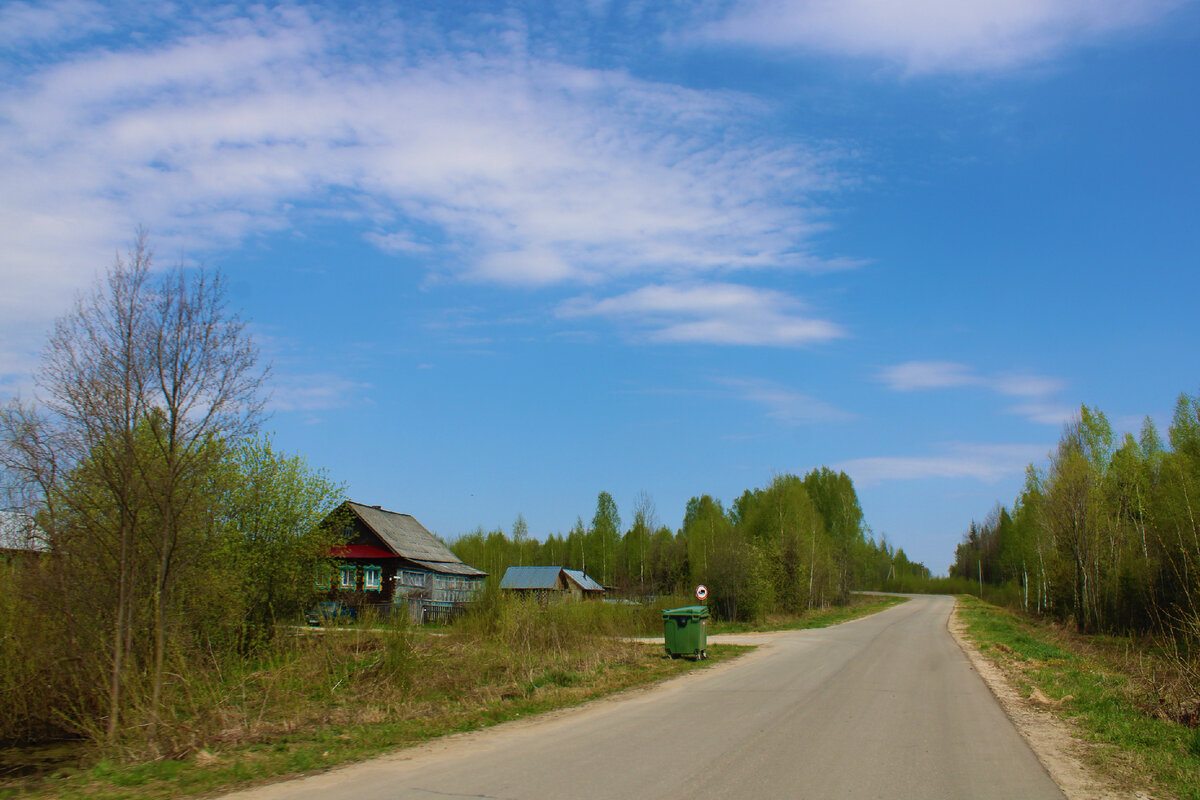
532,578
546,582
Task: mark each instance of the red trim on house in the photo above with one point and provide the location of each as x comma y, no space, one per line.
361,551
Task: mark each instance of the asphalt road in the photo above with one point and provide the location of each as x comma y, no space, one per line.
883,707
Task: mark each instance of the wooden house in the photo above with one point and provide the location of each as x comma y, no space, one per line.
547,583
390,560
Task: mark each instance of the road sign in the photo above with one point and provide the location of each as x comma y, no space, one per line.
701,592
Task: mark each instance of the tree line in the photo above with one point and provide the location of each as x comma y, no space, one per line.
1107,535
793,545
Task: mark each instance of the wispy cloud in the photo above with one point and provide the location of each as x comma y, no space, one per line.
315,392
925,36
485,161
26,24
917,375
1036,391
1047,413
711,313
786,405
988,463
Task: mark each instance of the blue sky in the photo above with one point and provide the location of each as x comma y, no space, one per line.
504,257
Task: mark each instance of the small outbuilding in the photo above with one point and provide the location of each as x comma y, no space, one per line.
548,583
390,560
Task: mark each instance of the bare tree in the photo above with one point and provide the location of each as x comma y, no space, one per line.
144,380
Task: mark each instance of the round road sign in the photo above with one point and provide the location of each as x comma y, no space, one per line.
701,592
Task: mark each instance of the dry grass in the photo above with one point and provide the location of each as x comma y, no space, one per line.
325,698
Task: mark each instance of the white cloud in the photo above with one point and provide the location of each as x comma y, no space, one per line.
23,24
712,313
315,392
786,405
924,36
514,169
988,463
916,375
397,242
1026,385
1037,391
1047,413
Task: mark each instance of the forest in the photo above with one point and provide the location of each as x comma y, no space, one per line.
1106,535
796,544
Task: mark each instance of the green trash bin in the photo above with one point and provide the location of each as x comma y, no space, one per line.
685,631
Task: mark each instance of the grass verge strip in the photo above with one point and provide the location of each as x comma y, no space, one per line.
1091,683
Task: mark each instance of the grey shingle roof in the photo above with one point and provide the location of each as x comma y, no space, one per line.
410,539
449,567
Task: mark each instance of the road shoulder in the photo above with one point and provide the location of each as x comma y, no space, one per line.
1053,740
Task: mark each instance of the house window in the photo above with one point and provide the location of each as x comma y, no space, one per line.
349,577
411,578
372,578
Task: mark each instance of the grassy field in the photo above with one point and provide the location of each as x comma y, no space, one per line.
327,698
1112,691
330,697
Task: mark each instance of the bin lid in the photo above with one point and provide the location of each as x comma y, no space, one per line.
695,612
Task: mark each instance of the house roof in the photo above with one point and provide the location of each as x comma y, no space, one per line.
20,532
407,538
530,578
546,578
585,583
449,567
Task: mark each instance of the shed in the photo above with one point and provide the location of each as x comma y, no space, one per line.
390,559
550,582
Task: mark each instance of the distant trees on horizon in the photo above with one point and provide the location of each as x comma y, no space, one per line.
798,543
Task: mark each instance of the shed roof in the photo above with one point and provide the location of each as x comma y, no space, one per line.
530,578
546,578
410,539
585,583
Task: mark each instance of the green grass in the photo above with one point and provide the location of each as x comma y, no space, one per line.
348,697
336,698
859,606
1107,702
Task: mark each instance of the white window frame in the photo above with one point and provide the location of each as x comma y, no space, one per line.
372,578
351,571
